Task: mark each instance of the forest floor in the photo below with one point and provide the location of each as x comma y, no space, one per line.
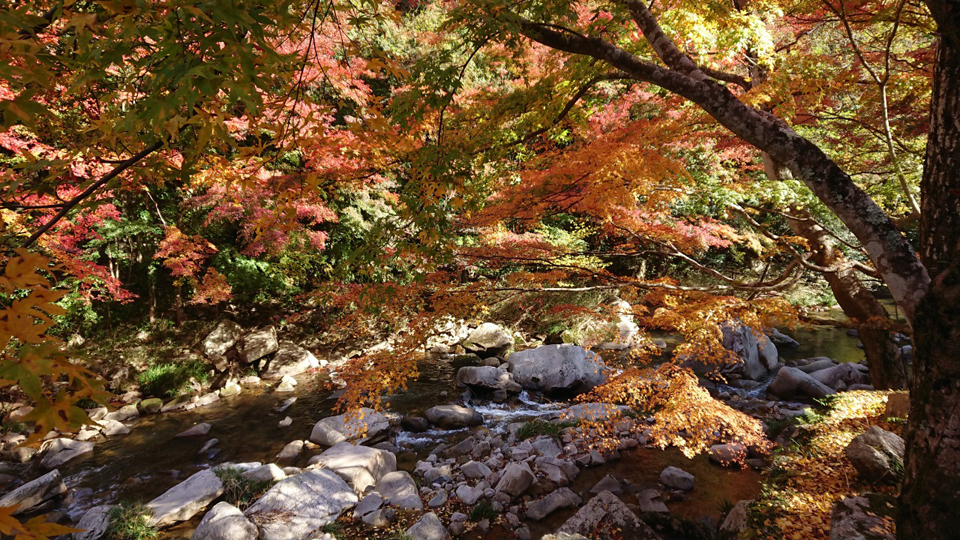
810,473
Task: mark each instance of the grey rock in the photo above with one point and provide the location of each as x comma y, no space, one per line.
782,340
352,426
877,454
359,466
219,341
474,469
841,376
439,499
60,451
94,523
489,339
35,492
428,528
291,450
728,455
290,360
605,516
516,479
453,416
379,518
225,522
186,499
676,478
258,344
556,500
547,447
791,382
487,378
265,473
196,431
607,483
298,505
860,518
399,489
127,412
368,504
651,502
285,423
817,363
557,367
469,495
736,519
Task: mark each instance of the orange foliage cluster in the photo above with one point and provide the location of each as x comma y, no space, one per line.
685,414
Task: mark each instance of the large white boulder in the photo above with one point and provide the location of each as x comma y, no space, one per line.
219,341
877,454
298,505
290,360
351,426
258,344
359,466
557,367
488,339
225,522
186,499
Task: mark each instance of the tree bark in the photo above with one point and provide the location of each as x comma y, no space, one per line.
930,498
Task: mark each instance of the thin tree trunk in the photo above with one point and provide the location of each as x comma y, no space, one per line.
887,369
930,500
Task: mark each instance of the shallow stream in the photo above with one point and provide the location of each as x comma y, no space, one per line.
150,460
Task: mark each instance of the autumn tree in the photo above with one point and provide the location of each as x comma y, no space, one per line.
923,281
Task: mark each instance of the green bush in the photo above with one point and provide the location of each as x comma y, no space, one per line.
482,510
535,428
169,380
239,490
129,521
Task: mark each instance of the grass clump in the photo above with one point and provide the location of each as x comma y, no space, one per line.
535,428
170,379
130,521
482,510
239,490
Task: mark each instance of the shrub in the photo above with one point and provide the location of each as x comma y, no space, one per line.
239,490
129,521
539,427
482,510
169,380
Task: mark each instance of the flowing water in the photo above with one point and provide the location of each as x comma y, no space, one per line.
150,460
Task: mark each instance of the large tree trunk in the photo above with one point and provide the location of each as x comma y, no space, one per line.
930,501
